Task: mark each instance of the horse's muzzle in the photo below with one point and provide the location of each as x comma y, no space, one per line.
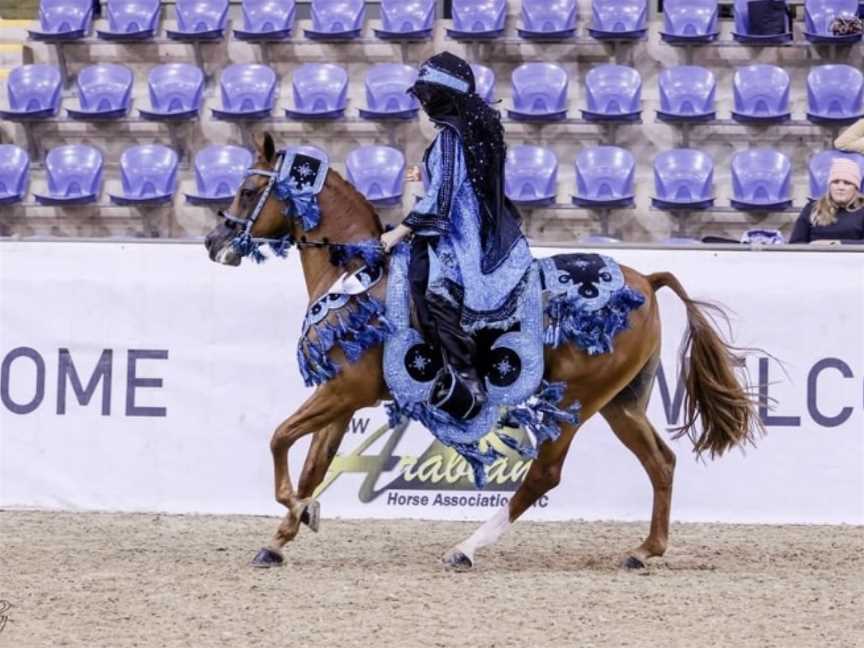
218,244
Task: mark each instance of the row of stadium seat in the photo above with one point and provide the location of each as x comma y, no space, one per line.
835,93
685,21
605,176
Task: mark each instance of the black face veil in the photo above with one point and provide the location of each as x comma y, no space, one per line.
445,88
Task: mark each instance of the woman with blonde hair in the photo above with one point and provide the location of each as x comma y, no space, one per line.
838,216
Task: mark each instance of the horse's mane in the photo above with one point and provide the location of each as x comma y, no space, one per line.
356,207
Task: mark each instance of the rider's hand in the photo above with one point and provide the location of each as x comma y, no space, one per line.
413,174
391,239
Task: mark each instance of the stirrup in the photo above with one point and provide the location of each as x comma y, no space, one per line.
460,396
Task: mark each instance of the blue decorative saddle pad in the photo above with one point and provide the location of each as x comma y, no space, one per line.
587,302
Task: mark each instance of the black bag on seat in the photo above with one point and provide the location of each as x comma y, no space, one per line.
767,17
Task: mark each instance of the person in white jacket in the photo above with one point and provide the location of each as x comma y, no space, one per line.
852,139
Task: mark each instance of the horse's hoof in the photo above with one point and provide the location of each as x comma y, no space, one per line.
266,557
458,561
633,562
311,515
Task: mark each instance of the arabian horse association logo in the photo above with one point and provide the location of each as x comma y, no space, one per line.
5,606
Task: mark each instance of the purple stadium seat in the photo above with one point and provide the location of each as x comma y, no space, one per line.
378,172
248,92
320,92
761,180
690,21
34,92
683,179
61,20
337,19
74,175
131,20
478,19
741,32
761,94
618,19
14,173
539,92
386,92
818,16
613,93
104,92
176,92
835,94
148,174
484,82
819,169
266,20
605,177
406,19
200,20
219,171
548,19
531,175
687,94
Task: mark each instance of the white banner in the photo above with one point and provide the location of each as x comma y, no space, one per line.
143,377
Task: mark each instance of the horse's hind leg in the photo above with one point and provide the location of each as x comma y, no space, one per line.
543,476
626,415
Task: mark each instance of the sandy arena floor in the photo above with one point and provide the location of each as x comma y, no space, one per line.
117,580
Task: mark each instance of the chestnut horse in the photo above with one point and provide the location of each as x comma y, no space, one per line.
720,412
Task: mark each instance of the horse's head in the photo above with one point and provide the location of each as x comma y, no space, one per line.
255,212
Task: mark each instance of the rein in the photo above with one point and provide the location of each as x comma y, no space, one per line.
247,245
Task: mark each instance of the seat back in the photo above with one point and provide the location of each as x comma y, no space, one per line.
387,85
613,90
479,15
761,91
34,88
835,92
761,176
335,16
148,170
406,16
105,87
690,17
484,82
175,87
684,176
549,15
131,16
247,88
196,16
320,87
540,88
73,170
687,90
605,173
619,15
531,173
14,170
378,172
819,14
59,16
219,170
264,16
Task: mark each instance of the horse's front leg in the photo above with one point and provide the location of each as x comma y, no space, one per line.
324,408
324,446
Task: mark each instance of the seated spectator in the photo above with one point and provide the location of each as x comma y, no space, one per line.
838,216
852,139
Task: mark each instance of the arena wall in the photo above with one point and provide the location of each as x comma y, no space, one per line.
142,377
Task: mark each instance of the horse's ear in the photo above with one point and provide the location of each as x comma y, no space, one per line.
266,147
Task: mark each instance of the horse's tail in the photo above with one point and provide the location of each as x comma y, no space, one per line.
728,411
